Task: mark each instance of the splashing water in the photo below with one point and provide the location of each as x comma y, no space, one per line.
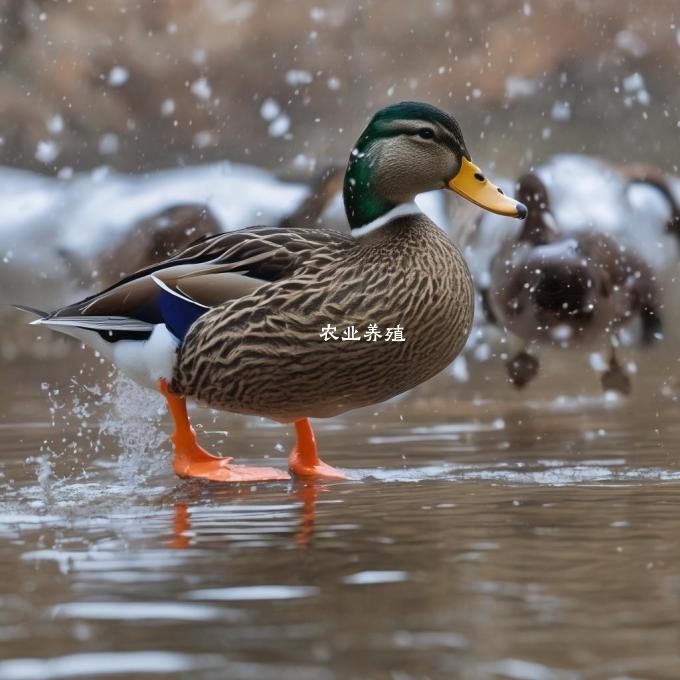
84,417
45,472
132,418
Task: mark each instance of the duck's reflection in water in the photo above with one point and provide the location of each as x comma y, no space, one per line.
181,526
307,492
235,516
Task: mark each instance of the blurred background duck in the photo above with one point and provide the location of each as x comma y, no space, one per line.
570,288
235,321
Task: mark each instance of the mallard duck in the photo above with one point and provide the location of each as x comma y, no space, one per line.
236,321
567,288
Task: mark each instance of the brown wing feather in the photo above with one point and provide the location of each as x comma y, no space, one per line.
253,256
210,287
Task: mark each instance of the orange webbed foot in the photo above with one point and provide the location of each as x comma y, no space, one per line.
304,460
193,461
221,470
298,467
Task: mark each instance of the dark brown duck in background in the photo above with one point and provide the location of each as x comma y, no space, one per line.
567,289
156,236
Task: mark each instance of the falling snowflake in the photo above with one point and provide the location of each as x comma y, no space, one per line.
168,107
270,109
47,151
296,77
109,143
118,76
201,88
279,126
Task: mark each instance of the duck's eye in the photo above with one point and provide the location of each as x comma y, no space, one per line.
426,133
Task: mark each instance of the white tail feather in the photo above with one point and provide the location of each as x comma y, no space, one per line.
96,323
146,360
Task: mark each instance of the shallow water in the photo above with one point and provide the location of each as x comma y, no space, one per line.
481,537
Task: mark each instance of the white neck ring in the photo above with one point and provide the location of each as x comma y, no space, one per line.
400,210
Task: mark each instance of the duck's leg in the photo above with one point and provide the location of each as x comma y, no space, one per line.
304,459
615,378
191,460
522,368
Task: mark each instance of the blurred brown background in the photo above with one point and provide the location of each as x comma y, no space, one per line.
288,84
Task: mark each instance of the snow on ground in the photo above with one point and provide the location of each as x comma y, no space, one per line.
588,194
50,225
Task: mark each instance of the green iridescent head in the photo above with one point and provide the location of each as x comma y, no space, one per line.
407,149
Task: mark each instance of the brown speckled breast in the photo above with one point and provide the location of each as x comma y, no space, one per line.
262,354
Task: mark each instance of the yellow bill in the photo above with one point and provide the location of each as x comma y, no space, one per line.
471,183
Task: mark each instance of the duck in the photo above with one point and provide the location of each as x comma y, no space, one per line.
298,322
154,237
569,288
